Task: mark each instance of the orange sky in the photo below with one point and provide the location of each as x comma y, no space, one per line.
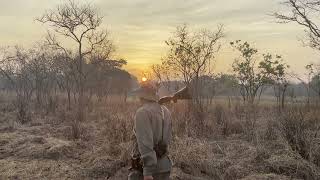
140,27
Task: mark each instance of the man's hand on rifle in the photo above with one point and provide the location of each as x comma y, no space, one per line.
181,94
167,99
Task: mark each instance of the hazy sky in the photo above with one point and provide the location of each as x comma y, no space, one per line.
140,27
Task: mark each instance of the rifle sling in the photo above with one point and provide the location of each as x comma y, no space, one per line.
162,119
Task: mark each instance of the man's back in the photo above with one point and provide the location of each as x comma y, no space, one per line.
158,116
152,125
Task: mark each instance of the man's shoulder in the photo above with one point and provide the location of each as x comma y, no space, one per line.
149,106
145,109
141,109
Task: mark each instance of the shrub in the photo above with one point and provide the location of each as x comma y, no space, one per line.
220,114
299,129
23,114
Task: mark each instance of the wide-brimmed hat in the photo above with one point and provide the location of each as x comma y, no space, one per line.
147,91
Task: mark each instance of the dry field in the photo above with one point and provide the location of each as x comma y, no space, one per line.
234,143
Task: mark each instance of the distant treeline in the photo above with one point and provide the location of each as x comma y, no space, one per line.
227,85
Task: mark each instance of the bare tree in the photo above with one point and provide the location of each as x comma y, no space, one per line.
44,75
163,74
305,13
16,67
80,24
6,66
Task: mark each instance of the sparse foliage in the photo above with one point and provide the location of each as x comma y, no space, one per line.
191,56
276,70
254,72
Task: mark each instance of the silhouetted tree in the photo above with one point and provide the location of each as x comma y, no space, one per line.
80,24
191,56
276,70
254,74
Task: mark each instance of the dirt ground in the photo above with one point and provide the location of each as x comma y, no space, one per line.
44,149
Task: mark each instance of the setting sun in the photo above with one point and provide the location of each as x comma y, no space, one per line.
144,79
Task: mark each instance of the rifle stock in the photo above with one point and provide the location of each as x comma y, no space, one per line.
179,95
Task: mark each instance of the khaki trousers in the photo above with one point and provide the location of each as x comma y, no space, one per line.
136,175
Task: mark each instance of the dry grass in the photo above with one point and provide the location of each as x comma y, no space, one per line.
228,146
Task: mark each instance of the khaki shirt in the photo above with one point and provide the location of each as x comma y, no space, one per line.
148,132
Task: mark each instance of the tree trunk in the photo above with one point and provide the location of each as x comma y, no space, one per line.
125,96
81,88
283,96
69,98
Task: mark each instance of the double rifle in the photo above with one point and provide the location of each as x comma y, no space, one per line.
184,93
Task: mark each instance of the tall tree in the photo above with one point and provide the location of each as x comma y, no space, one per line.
276,69
247,73
255,72
79,23
191,56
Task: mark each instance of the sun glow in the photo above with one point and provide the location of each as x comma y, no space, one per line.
144,79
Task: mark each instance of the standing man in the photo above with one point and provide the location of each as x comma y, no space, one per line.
152,131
